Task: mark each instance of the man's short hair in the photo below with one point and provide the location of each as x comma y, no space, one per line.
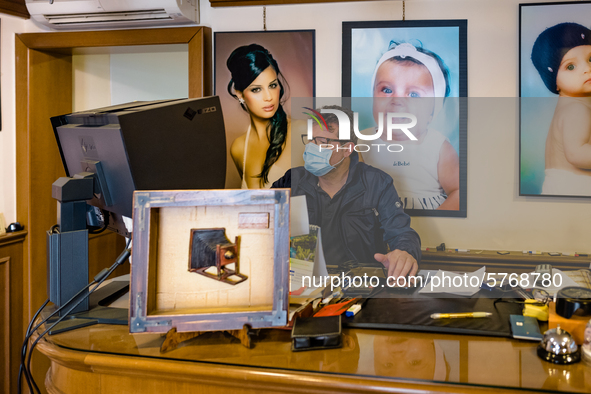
332,119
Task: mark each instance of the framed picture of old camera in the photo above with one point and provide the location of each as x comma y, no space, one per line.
208,260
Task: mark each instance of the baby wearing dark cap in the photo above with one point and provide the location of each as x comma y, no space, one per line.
562,56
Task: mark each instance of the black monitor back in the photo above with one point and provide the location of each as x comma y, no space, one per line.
156,145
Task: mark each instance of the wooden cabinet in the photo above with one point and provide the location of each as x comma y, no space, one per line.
14,7
236,3
11,308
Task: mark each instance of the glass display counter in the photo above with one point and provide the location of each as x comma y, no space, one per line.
107,359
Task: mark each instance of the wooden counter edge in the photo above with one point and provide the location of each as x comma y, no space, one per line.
10,238
240,377
513,260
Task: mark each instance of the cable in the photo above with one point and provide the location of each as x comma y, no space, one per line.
55,229
98,280
30,332
22,367
96,230
122,258
117,263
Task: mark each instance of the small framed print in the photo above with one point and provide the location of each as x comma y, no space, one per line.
196,266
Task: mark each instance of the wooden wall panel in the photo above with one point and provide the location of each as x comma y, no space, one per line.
65,42
14,7
51,75
22,149
11,308
102,251
5,323
200,65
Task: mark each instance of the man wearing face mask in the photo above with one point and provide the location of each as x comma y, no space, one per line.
354,204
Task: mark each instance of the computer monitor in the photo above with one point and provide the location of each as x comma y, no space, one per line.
153,145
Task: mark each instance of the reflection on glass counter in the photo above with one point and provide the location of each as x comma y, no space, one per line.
398,355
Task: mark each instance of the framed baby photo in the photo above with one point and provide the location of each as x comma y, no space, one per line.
239,60
555,99
407,82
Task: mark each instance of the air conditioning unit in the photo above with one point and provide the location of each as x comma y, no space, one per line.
112,14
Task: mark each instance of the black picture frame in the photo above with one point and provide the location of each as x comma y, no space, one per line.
538,103
448,39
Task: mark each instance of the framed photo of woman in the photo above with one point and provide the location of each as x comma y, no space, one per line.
555,99
256,74
415,73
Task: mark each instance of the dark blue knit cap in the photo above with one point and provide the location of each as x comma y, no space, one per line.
551,46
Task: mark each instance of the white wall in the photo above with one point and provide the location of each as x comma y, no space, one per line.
9,25
117,75
91,87
498,218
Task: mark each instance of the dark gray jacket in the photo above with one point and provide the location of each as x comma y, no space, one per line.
371,214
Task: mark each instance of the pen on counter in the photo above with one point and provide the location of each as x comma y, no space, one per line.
463,250
577,254
459,315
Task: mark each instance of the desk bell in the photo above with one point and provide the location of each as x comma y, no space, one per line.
559,347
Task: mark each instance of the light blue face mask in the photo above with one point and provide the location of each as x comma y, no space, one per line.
317,161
